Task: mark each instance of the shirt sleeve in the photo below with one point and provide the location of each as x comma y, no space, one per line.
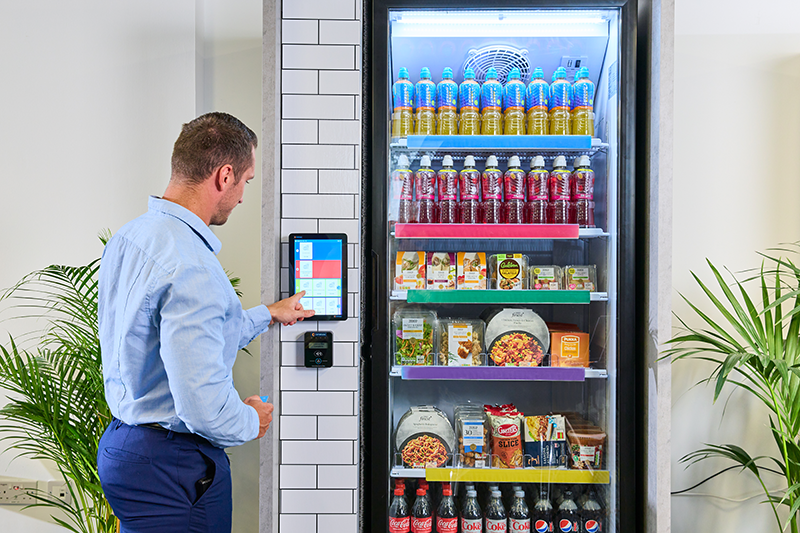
191,318
256,321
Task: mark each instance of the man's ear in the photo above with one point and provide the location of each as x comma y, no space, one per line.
223,177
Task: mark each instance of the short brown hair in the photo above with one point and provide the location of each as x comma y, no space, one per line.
209,142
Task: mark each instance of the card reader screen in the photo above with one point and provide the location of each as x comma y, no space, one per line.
318,345
318,271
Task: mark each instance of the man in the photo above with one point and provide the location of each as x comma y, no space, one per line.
170,327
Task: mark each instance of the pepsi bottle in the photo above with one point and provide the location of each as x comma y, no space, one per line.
591,515
399,515
496,514
567,516
471,517
421,513
446,517
519,517
542,517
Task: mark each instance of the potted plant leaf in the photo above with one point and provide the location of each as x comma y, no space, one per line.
751,334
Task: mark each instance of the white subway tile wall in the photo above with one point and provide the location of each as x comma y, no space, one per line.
320,192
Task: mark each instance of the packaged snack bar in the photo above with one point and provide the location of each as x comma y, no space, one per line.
441,270
414,337
569,346
409,271
580,277
545,441
516,337
424,437
546,277
509,271
472,436
471,269
506,437
461,342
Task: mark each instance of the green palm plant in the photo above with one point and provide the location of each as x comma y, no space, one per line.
57,410
754,348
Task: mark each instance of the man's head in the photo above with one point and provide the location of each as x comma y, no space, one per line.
213,153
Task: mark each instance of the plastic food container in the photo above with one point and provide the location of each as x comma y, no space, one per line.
441,270
546,278
424,437
509,271
586,448
471,269
472,436
516,337
414,336
409,271
461,342
580,277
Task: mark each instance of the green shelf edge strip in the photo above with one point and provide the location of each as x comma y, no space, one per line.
499,297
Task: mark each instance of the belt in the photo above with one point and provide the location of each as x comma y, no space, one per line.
154,426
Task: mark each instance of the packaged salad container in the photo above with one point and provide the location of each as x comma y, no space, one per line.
441,270
414,337
580,277
461,342
509,271
546,278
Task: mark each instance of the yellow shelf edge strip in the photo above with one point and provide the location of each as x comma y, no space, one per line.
513,475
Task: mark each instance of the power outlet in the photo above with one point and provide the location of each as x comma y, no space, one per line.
572,64
17,491
60,490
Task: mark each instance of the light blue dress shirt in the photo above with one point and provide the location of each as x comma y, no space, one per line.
170,327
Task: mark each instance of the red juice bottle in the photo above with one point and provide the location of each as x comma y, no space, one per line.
514,192
448,192
559,185
582,194
405,179
538,177
426,208
470,184
492,189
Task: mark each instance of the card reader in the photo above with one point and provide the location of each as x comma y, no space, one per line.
318,349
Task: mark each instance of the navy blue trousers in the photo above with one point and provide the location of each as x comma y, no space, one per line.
150,479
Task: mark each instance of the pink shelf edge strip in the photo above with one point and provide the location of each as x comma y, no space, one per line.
486,231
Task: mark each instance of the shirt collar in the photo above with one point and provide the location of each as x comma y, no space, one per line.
160,205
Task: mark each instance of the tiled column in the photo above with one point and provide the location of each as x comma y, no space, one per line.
320,183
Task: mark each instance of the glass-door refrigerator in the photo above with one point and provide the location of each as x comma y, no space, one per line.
501,342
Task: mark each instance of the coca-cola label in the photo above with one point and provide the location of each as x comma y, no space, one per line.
399,525
447,525
473,526
422,525
496,525
515,524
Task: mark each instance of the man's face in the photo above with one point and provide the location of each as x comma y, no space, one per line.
233,195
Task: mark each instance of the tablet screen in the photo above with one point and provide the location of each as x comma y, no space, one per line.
319,267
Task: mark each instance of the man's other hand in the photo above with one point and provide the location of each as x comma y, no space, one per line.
289,310
264,411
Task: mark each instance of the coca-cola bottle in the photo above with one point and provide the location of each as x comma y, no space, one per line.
403,191
514,192
496,514
448,192
559,192
492,181
470,183
519,517
423,484
592,515
446,516
399,516
421,513
538,195
427,212
471,517
567,516
542,516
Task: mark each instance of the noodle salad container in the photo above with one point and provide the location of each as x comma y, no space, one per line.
516,337
509,271
415,339
424,437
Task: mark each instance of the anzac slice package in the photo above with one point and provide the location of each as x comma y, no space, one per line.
506,437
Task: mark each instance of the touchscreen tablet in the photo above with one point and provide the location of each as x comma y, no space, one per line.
318,265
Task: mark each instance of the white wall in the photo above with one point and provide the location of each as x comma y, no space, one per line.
92,98
736,185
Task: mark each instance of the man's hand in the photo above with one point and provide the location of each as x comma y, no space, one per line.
264,411
289,310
